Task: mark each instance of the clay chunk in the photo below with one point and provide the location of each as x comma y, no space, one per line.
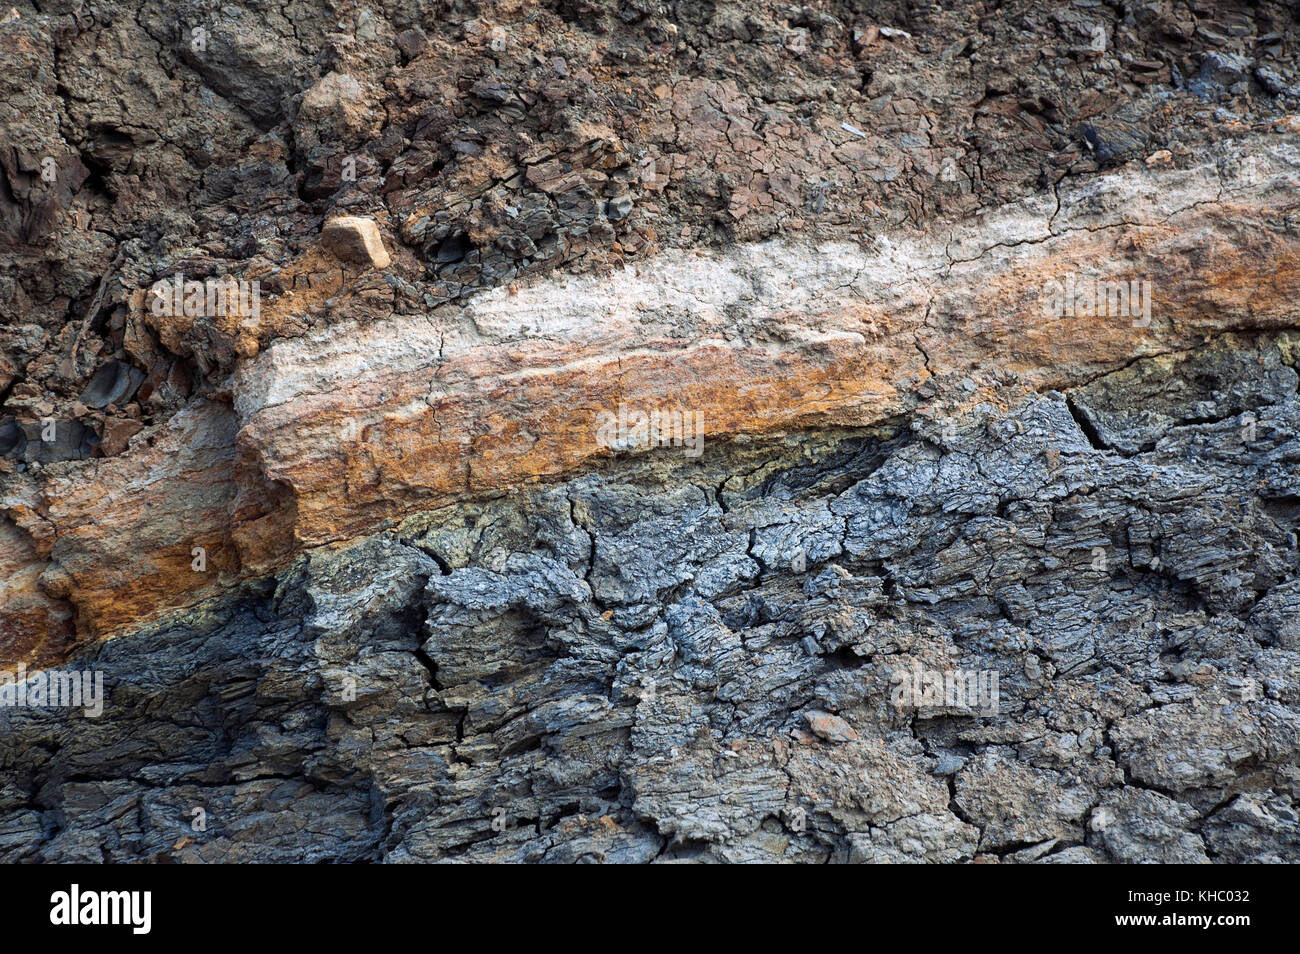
355,239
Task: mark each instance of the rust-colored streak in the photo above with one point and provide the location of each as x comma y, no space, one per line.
339,453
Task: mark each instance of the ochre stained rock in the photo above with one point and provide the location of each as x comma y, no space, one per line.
324,437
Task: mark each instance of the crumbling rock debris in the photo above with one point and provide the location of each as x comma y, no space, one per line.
637,664
365,584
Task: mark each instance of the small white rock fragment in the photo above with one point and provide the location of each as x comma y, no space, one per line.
355,239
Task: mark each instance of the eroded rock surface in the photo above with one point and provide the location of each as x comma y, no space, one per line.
363,575
677,659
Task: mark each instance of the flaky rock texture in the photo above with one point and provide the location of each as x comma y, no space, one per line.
979,324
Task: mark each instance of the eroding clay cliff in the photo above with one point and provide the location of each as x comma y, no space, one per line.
978,327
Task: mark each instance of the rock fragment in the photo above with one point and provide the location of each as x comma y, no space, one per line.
829,727
355,239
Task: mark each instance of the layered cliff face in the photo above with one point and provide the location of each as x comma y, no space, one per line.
684,431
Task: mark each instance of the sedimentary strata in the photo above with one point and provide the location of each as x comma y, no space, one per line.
973,340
